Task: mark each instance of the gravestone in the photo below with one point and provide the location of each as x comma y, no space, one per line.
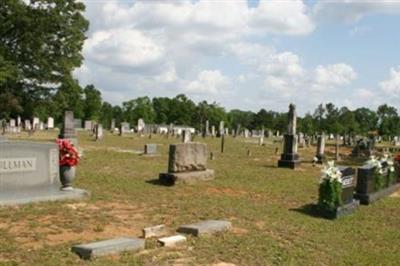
289,157
68,129
221,129
29,172
238,130
41,125
246,133
35,123
206,131
88,125
186,136
150,149
140,125
349,205
50,123
19,121
205,227
213,131
99,134
337,148
112,127
367,190
320,154
27,125
125,128
13,126
187,163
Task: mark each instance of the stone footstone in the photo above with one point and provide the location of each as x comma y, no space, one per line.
171,241
108,247
154,231
341,211
186,177
205,228
366,199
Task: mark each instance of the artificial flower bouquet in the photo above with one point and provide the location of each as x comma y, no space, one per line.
69,155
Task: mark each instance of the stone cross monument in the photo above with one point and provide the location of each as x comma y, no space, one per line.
289,157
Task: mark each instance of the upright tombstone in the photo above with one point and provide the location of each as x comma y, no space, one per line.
50,122
237,130
187,163
35,123
320,154
89,125
337,147
150,149
213,131
13,126
289,157
112,127
29,172
27,125
125,128
246,133
206,131
68,129
98,129
221,129
186,136
19,121
141,126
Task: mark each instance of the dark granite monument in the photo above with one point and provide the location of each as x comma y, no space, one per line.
68,129
289,157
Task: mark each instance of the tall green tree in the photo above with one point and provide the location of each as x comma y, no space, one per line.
92,103
40,44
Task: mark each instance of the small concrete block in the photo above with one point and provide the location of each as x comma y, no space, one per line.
171,241
206,227
154,231
108,247
186,178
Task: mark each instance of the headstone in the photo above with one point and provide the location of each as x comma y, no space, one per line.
222,143
112,128
172,241
41,125
337,147
320,148
227,131
99,131
35,123
29,172
50,122
206,131
125,128
289,157
13,126
141,125
246,133
186,136
68,129
27,125
238,130
77,123
205,228
89,125
213,131
154,231
108,247
19,121
150,149
221,129
187,163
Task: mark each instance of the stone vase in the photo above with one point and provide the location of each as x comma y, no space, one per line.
67,175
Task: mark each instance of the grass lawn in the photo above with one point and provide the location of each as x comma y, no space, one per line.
264,203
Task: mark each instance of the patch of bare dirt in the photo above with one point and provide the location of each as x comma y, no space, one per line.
226,191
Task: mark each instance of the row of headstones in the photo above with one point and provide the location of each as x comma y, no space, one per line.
17,125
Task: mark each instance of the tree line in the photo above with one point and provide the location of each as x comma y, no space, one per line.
40,46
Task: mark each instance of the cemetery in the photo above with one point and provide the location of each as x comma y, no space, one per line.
218,133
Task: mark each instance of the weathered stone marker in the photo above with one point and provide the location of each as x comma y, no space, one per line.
186,136
337,148
289,157
112,127
108,247
154,231
206,227
171,241
99,131
68,129
187,164
320,154
29,172
222,143
150,149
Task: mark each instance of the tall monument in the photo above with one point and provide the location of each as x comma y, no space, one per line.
289,157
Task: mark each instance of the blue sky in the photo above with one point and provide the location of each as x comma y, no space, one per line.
247,55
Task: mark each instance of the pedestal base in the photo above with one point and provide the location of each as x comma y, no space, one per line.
341,211
291,161
186,177
366,199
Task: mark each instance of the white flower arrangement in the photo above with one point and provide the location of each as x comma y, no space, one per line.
374,162
330,172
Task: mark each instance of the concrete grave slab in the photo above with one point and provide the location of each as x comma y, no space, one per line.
108,247
154,231
206,227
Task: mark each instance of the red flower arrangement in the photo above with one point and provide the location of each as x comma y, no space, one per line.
69,155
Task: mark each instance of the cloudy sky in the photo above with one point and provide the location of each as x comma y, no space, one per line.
245,54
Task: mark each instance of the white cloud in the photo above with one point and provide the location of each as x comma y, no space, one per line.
208,82
391,86
334,75
351,11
